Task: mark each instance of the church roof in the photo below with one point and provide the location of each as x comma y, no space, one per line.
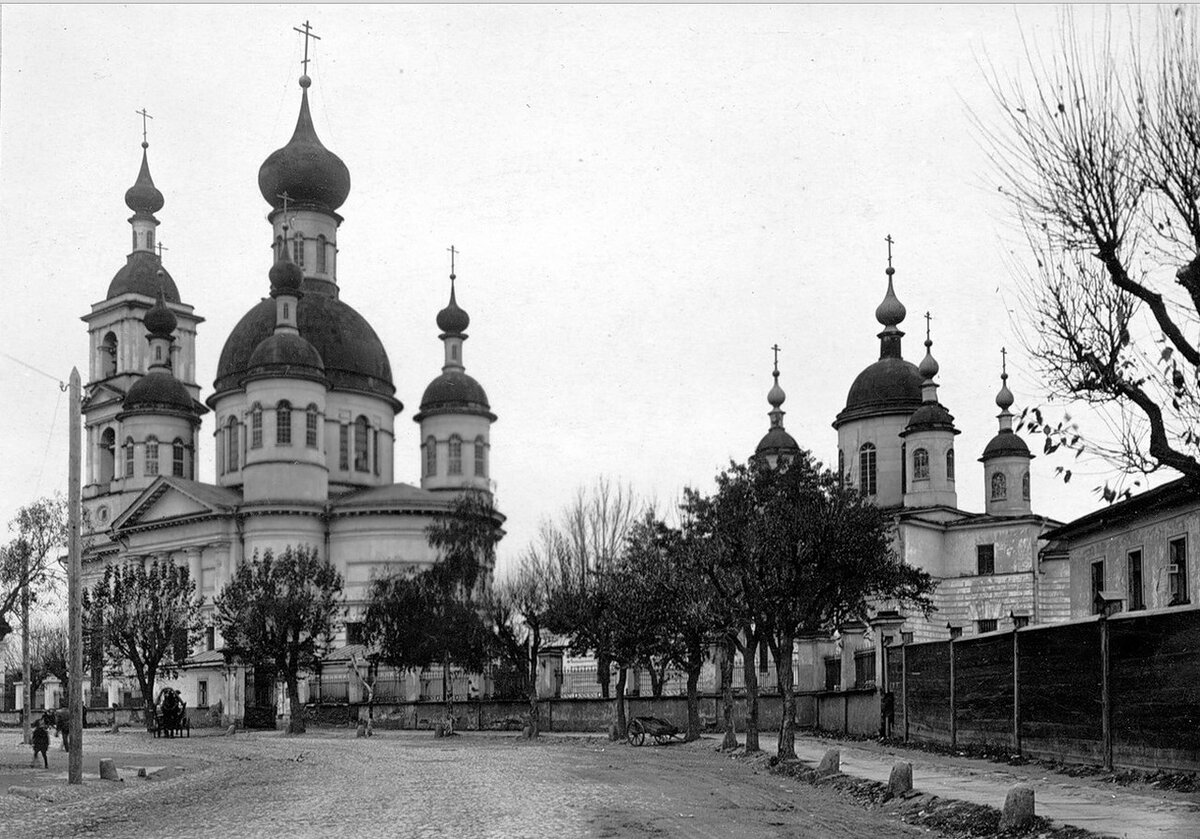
889,386
392,495
777,441
140,275
454,391
286,354
307,172
1006,444
159,390
353,355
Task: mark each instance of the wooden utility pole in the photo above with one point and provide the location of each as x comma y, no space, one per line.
74,591
26,693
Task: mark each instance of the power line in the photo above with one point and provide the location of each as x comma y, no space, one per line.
62,386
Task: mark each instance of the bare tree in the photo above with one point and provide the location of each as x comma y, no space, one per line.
1100,156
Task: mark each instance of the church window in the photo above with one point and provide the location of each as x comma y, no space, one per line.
361,442
999,486
177,455
298,250
128,457
1025,486
108,356
320,254
108,453
841,465
375,449
430,458
455,455
135,247
231,444
256,426
985,559
867,477
480,458
283,423
278,248
344,448
950,464
921,465
151,455
149,240
312,421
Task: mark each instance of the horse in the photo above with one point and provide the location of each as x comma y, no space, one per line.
172,713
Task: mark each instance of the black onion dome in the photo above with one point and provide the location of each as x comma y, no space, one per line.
454,392
286,276
309,173
1006,444
140,275
930,416
160,321
144,197
777,441
453,320
889,386
353,355
159,390
286,354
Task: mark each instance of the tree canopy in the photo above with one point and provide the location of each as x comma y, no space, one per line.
40,534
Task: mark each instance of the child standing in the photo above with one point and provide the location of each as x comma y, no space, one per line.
41,743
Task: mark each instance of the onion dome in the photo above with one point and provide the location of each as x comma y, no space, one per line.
890,312
143,197
310,174
929,366
158,391
286,276
160,321
452,320
929,417
1004,399
143,274
454,392
353,355
286,354
776,441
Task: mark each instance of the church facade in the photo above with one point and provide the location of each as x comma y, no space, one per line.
896,443
304,407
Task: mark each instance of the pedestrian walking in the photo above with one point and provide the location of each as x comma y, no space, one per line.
41,743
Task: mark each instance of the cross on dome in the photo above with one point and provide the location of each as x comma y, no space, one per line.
145,116
308,34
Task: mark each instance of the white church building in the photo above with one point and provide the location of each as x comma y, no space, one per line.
304,406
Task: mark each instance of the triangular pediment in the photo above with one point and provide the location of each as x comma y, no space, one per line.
170,500
102,393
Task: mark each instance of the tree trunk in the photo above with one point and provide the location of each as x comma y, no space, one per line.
295,709
622,674
448,690
532,692
26,691
787,728
750,671
602,675
656,680
695,662
727,651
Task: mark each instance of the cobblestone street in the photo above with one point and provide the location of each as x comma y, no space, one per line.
405,784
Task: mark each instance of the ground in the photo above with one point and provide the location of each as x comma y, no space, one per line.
409,784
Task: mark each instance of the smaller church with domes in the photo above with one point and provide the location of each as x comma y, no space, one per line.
304,407
896,443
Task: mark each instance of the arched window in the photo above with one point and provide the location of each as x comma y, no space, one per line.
298,250
108,356
278,247
256,426
866,469
151,455
375,449
1025,486
108,455
362,430
231,444
321,254
949,464
430,457
455,455
283,423
344,448
921,465
128,457
177,455
480,457
841,465
312,421
149,240
135,247
999,486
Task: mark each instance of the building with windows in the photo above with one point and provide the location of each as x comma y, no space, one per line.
304,407
1135,554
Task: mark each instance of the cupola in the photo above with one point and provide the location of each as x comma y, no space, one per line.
1006,459
928,448
777,443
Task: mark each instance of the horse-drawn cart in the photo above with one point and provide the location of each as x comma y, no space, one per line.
642,727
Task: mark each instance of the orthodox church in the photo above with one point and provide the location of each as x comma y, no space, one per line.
305,410
896,444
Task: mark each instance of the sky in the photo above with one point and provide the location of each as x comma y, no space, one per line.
644,200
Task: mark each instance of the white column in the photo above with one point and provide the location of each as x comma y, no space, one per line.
195,570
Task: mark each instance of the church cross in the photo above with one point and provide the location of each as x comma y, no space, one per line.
775,348
453,251
889,241
307,33
145,116
928,318
161,248
1003,363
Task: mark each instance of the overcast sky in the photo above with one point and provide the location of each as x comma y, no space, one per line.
645,199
